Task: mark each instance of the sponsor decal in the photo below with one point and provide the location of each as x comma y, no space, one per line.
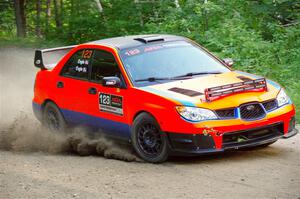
145,49
152,48
83,62
111,103
81,69
132,52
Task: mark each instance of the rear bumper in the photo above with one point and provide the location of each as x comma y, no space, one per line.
193,144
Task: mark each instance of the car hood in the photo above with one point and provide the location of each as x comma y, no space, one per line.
190,92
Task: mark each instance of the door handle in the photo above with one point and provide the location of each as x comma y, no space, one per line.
92,91
60,85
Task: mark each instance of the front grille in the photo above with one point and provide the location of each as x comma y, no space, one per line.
270,105
226,113
248,111
235,139
252,111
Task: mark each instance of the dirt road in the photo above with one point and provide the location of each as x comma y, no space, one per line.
272,172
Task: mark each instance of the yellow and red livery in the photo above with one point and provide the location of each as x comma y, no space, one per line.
165,94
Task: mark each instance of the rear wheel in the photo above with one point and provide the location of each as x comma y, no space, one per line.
53,118
149,142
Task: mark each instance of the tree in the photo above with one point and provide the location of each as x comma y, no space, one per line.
38,18
48,15
20,17
99,5
57,12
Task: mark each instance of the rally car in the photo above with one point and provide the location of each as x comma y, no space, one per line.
164,94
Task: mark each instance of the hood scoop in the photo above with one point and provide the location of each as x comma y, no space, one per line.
187,92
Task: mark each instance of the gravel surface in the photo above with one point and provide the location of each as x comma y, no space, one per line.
272,172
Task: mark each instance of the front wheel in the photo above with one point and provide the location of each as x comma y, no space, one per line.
53,118
149,142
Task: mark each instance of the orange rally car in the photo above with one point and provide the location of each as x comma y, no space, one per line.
164,94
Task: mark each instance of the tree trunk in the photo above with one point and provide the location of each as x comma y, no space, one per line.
139,10
20,17
70,21
62,12
177,4
57,15
38,18
48,15
99,5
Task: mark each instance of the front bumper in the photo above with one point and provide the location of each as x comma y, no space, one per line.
290,134
189,144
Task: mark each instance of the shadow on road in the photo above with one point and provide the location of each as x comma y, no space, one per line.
234,155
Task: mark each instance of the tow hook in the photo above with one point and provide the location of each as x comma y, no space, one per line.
211,131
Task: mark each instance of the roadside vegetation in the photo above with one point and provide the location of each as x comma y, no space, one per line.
262,36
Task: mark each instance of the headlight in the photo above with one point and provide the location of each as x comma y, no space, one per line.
195,114
282,98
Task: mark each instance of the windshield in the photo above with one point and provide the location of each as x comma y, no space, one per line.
168,60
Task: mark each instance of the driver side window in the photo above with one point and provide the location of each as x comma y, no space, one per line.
104,65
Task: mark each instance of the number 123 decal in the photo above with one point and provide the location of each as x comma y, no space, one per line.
111,103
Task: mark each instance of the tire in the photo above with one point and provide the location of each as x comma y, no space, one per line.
149,142
53,118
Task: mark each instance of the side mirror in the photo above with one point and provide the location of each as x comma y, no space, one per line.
228,61
111,82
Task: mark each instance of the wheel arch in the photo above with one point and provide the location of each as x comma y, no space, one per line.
156,118
140,112
47,101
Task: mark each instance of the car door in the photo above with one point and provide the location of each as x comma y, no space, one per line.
108,104
72,85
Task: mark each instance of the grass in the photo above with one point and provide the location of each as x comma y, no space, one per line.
28,42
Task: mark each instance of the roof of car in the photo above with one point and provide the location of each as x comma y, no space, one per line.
125,42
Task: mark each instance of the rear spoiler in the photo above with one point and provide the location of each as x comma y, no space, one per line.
229,89
38,57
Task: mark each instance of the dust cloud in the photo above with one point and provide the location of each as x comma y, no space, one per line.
21,132
27,135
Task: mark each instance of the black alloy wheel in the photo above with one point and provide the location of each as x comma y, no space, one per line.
53,118
148,140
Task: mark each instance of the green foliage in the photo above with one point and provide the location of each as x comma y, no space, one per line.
262,36
7,23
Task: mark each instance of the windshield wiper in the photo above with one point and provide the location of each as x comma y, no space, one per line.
152,79
198,73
